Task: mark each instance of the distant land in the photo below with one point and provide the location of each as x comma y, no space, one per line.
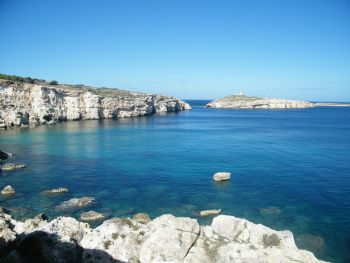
241,101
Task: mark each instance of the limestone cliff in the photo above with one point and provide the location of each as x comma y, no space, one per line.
246,102
33,104
164,239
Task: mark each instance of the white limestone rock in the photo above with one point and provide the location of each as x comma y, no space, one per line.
91,216
221,176
171,239
246,102
8,190
210,212
23,104
121,238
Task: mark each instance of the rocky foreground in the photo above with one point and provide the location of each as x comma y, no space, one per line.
23,104
164,239
246,102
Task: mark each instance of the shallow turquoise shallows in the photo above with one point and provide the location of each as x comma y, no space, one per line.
290,169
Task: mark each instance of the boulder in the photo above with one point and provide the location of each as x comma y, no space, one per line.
210,212
91,216
55,191
4,155
141,218
75,203
8,190
121,238
221,176
170,240
12,166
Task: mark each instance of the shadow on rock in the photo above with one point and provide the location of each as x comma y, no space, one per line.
43,247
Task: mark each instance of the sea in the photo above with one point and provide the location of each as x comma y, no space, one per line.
290,169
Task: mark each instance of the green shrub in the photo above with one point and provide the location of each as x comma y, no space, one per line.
53,82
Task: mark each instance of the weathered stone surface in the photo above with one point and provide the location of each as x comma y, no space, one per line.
12,166
75,203
246,102
141,218
91,216
55,191
171,239
164,239
66,228
8,190
210,212
23,104
221,176
120,238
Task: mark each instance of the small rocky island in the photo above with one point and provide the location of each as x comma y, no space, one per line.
164,239
241,101
31,102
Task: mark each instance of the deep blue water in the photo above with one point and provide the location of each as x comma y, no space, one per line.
296,160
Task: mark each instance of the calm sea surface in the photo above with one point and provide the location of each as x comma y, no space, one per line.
290,169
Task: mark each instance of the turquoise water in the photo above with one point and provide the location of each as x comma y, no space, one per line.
295,160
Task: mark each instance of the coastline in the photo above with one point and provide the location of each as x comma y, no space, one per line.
29,105
164,239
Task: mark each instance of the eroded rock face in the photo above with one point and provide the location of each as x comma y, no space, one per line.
23,104
164,239
246,102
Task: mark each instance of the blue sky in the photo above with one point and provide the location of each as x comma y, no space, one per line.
298,49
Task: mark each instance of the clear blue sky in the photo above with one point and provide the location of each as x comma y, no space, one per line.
297,49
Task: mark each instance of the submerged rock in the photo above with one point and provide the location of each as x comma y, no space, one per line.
8,190
91,216
12,166
141,218
221,176
271,210
310,242
55,191
210,212
75,203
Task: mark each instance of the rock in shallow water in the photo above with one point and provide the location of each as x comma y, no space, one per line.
91,216
75,203
12,166
8,190
210,212
55,191
141,218
4,155
221,176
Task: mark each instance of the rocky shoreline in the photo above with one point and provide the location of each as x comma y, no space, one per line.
247,102
164,239
26,104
